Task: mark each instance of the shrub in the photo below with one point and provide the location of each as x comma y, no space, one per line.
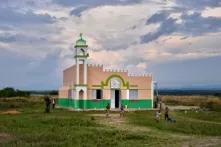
11,92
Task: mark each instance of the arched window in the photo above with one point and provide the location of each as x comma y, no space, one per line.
81,94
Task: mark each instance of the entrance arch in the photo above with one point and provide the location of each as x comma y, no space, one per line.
115,87
106,82
81,94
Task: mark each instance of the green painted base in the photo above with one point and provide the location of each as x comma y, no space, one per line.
137,104
101,104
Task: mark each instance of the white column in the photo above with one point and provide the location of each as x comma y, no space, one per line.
77,71
85,71
77,94
73,94
152,92
127,95
85,94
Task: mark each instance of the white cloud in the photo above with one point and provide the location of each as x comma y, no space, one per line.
214,12
113,35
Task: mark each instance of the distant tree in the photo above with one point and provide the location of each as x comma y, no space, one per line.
11,92
22,93
217,94
7,92
53,92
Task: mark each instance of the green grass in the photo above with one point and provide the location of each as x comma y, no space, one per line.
193,125
33,127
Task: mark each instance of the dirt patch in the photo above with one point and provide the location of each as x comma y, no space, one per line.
12,112
4,137
203,142
111,120
180,107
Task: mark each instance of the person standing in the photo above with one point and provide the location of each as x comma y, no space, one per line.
53,103
47,104
107,110
166,115
158,113
121,110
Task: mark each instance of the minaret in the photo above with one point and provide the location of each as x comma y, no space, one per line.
81,56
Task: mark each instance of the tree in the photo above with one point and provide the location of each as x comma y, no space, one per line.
11,92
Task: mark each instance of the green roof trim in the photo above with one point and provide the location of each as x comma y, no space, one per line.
81,42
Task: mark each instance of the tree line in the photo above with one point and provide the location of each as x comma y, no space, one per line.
11,92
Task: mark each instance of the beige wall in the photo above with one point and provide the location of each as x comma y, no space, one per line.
69,76
64,92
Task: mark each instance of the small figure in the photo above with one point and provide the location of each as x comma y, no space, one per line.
47,103
53,103
121,110
107,110
160,107
172,120
166,115
158,113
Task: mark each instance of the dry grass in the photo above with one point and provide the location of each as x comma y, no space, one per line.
210,102
13,112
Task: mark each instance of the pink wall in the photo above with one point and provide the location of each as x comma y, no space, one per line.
69,76
96,75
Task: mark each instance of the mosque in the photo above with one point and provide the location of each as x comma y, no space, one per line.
91,87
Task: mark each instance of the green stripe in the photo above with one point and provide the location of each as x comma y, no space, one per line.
137,104
83,104
101,104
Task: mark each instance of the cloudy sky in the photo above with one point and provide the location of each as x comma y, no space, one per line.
178,41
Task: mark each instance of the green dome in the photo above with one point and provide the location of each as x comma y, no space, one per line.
81,42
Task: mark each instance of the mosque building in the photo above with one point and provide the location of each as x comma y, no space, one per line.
88,86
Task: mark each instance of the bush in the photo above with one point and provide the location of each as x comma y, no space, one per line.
212,104
217,94
11,92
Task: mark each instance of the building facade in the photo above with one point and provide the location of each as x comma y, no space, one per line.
87,86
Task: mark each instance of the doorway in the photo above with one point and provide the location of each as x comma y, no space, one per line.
115,98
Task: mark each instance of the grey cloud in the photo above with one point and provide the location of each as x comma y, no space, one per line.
183,38
198,4
193,25
12,17
22,38
158,17
83,5
167,27
77,11
95,2
7,38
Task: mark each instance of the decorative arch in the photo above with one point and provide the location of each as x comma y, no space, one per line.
105,83
81,94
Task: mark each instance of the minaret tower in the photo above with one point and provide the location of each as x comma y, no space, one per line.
81,55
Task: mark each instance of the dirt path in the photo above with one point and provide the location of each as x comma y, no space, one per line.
5,137
200,120
203,142
13,111
121,123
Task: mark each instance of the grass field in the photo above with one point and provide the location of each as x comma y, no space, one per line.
24,123
203,101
